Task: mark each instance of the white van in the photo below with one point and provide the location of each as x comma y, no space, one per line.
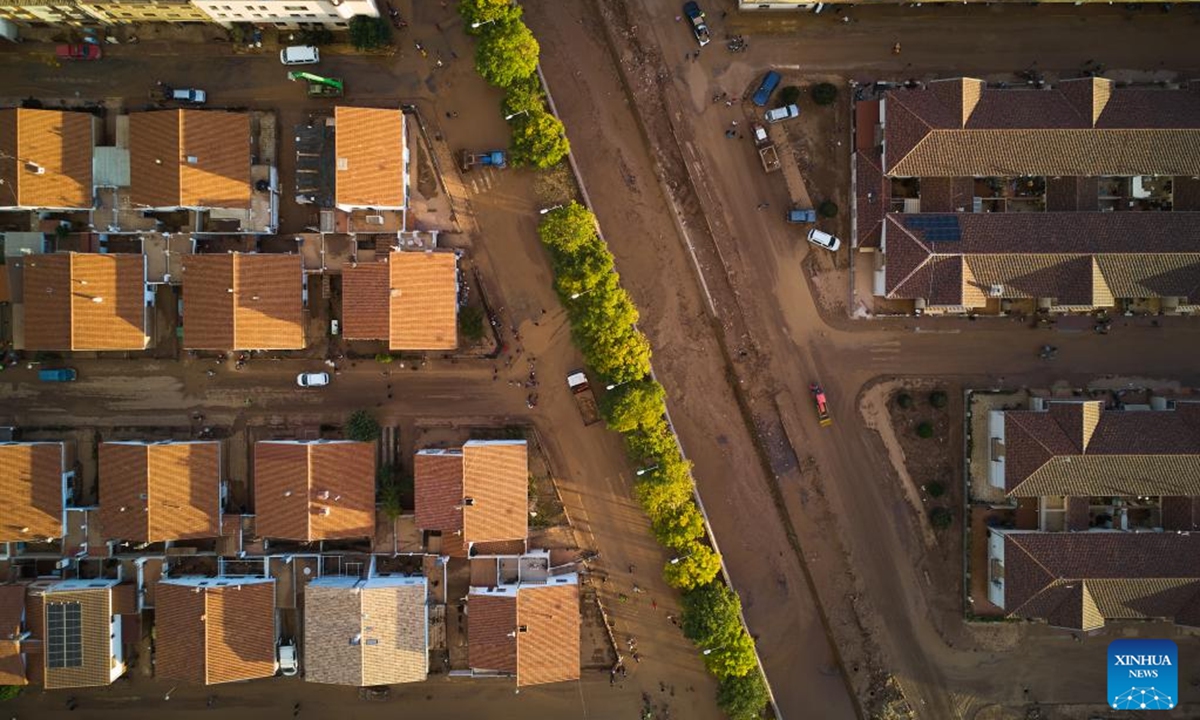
300,55
782,113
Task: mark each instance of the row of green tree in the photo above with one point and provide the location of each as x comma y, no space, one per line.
507,57
604,325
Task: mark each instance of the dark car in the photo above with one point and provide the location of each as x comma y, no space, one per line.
78,51
696,17
769,83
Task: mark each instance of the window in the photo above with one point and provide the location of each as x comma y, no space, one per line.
294,8
341,25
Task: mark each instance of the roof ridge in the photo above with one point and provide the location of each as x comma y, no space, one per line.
308,462
234,262
928,252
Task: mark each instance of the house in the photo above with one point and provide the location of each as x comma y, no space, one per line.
1088,467
1081,581
215,630
314,490
530,631
411,301
90,13
84,301
162,491
978,198
74,633
12,633
371,159
46,159
288,14
240,301
476,496
366,632
36,485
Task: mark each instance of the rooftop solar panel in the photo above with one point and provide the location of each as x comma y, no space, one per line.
64,642
935,228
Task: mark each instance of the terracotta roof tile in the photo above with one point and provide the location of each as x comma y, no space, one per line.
1181,513
496,478
370,149
314,491
548,650
1080,579
874,194
365,301
85,301
424,300
96,618
264,311
160,491
215,634
491,625
57,142
12,615
190,158
438,490
363,633
32,487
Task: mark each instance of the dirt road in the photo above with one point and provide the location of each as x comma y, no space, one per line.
650,143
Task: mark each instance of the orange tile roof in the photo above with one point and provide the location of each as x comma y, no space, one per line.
190,158
438,490
57,142
365,301
12,611
496,478
214,634
423,301
31,485
157,492
315,490
264,311
106,308
548,648
369,147
96,621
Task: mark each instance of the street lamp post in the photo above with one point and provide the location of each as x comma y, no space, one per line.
614,386
510,116
543,211
477,25
645,470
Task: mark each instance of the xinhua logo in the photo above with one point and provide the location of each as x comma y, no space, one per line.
1143,674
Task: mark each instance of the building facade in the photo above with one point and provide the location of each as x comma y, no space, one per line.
288,13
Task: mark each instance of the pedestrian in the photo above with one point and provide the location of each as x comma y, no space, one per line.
896,49
678,18
653,604
734,123
449,115
623,597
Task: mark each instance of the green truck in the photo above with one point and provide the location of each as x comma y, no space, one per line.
319,86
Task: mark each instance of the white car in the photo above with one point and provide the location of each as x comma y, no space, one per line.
300,55
289,665
824,239
312,379
782,113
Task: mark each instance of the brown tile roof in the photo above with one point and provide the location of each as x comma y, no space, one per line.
548,649
1080,449
1181,513
370,148
873,196
12,615
1080,580
424,300
60,144
264,311
496,478
369,632
365,301
438,490
957,128
190,158
215,634
1077,258
314,491
32,487
96,620
85,301
491,628
160,491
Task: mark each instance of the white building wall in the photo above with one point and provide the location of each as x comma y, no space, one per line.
288,13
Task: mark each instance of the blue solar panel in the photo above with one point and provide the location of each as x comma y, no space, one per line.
936,228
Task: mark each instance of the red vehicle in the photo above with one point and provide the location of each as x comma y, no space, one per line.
822,406
78,51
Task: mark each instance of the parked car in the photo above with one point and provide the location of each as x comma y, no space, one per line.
800,215
786,112
289,665
824,239
765,88
79,51
57,375
300,55
193,96
312,379
695,16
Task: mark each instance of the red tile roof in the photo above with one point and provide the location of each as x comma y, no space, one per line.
32,487
491,629
190,158
438,490
46,158
160,491
215,634
264,311
85,301
365,301
370,150
315,490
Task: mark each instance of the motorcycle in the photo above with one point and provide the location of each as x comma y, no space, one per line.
421,49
